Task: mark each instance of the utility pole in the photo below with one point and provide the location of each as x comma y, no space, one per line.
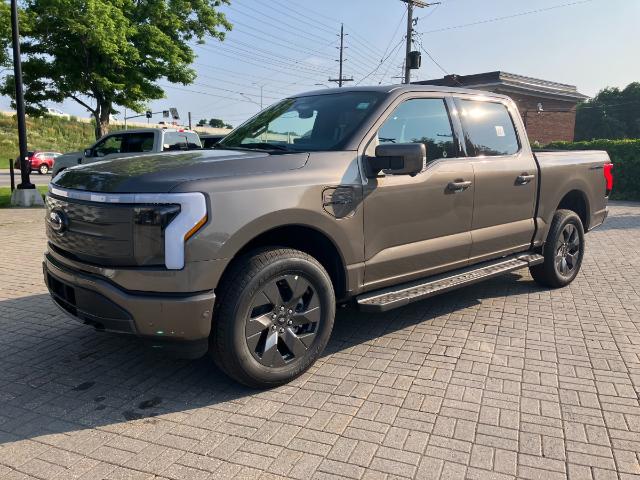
410,24
189,120
340,80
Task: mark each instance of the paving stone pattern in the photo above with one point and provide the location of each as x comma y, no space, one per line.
500,380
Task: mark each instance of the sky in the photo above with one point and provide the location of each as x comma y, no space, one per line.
282,47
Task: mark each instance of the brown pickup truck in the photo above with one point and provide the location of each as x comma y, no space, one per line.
377,196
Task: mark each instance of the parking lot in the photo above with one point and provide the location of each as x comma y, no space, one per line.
501,380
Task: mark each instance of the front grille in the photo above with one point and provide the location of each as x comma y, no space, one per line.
103,234
89,306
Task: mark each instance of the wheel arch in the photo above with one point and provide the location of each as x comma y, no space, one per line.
576,201
308,239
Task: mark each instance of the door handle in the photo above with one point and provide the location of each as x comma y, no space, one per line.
524,179
459,186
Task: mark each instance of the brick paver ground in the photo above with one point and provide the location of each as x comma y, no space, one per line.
500,380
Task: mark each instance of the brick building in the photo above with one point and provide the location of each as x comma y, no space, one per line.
548,108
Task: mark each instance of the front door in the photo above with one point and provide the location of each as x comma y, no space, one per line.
418,226
506,178
122,145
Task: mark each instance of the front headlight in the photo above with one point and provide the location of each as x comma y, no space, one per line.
181,226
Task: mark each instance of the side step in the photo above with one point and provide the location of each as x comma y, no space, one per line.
400,295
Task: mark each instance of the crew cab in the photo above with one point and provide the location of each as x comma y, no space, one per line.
376,196
131,142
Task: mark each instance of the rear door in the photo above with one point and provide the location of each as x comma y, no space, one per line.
506,177
418,226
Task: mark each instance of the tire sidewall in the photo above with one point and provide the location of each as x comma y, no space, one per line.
550,247
320,281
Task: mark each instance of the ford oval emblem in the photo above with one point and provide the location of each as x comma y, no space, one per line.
58,221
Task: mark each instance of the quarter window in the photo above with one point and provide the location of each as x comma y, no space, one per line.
181,141
489,129
420,120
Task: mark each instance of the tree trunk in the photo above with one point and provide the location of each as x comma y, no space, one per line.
101,116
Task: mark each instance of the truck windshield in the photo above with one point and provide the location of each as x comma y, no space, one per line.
314,123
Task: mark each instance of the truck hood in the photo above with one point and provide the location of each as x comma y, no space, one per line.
160,173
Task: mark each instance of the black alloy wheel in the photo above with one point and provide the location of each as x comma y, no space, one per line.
283,320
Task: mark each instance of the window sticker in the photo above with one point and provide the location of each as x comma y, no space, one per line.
500,131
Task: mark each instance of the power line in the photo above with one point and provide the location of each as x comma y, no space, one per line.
308,35
275,59
506,17
433,59
268,66
365,42
383,61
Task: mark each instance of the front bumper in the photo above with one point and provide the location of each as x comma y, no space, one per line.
178,322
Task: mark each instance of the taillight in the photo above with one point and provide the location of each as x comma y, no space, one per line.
608,177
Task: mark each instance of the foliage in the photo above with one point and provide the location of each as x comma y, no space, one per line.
108,53
5,35
5,194
213,123
625,155
46,133
217,123
611,114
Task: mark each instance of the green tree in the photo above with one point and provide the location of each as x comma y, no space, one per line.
216,123
202,122
5,36
108,53
611,114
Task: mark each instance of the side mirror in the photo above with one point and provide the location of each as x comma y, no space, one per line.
398,159
88,153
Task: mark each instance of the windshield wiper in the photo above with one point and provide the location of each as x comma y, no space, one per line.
266,146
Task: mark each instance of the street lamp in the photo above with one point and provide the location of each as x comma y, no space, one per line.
26,193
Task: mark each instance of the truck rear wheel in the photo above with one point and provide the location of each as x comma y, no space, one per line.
273,317
563,251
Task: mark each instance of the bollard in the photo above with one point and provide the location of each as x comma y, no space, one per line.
11,174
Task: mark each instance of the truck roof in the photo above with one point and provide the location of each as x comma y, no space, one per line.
153,129
400,89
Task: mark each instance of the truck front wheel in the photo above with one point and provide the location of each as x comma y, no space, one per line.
563,251
273,317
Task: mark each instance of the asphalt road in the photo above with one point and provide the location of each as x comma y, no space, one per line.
5,180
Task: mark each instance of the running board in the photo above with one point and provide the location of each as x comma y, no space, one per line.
400,295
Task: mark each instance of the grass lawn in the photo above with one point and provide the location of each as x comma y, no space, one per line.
5,195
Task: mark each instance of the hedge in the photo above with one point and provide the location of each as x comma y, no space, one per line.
625,155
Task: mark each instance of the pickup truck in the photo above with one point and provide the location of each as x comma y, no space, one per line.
376,196
125,143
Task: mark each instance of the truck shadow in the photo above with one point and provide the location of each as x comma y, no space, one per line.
57,376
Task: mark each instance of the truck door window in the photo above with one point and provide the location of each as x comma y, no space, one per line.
138,142
489,129
420,120
109,145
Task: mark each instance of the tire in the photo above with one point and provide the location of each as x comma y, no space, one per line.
43,169
563,251
273,317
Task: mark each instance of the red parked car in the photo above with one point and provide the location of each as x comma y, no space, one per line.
41,162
